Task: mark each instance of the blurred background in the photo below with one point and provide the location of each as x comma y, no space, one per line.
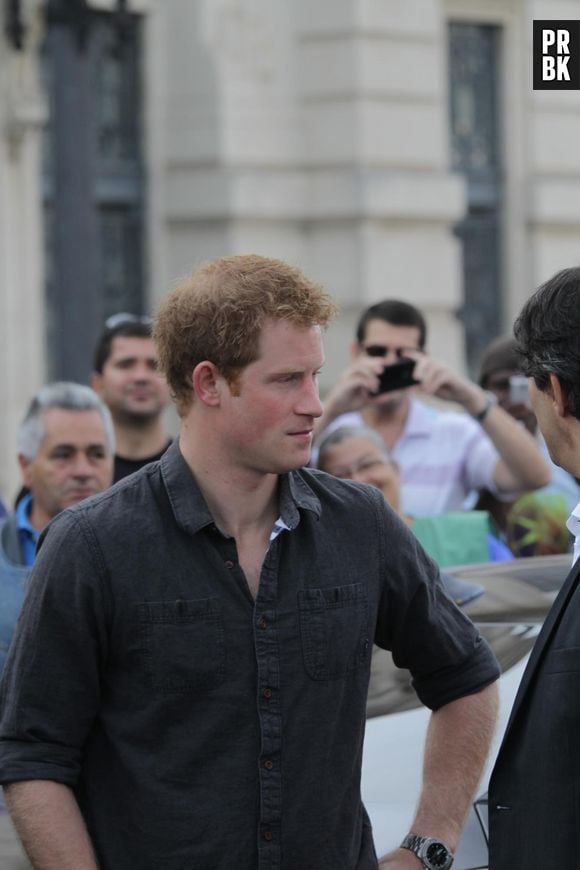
388,147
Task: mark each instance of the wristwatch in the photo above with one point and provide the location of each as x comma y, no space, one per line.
433,854
490,402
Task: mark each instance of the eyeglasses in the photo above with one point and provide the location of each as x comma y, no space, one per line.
385,349
347,471
123,318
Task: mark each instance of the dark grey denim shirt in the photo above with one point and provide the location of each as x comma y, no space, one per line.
203,730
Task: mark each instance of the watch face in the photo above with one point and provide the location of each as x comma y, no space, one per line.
437,854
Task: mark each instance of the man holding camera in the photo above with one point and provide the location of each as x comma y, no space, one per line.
443,457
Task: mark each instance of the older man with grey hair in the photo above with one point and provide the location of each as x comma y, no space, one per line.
65,452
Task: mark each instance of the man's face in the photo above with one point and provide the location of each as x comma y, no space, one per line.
130,383
269,412
498,382
72,463
554,435
358,458
390,343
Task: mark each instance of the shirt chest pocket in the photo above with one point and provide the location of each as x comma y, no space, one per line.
334,630
183,643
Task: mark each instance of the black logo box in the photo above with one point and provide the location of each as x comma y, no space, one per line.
573,65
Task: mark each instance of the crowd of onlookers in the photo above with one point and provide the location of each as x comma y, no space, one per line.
75,441
475,485
474,482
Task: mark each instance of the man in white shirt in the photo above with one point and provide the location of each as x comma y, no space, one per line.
443,456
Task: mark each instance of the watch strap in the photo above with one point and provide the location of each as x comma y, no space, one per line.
490,402
419,846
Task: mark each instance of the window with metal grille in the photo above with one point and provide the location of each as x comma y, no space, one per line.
475,152
94,184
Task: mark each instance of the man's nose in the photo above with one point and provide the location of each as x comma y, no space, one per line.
143,373
391,357
310,404
82,466
358,476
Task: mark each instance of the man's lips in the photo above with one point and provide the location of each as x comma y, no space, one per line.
301,433
140,395
81,492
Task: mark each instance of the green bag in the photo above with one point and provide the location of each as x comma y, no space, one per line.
455,538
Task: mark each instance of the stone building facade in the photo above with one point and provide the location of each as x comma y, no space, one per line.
389,147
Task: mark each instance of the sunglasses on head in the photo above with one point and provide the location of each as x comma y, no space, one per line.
384,349
123,318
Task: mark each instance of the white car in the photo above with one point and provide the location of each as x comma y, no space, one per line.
393,750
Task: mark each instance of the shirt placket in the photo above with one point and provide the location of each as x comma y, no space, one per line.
267,649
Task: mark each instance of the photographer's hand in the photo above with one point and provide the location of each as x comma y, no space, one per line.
353,390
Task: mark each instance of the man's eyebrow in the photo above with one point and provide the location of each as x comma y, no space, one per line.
133,357
71,446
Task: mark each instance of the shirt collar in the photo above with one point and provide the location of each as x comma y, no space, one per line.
574,520
23,523
419,420
573,525
190,508
27,534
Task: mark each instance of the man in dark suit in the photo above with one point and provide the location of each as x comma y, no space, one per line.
534,793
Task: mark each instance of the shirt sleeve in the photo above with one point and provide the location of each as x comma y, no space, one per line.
424,629
481,458
47,707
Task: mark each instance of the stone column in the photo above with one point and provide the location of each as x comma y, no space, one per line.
22,314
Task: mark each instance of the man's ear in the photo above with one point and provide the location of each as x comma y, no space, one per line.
96,380
355,350
207,383
25,464
559,397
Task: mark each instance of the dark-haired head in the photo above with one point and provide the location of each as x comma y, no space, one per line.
397,313
547,332
120,326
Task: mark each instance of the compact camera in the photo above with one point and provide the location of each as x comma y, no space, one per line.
397,376
519,390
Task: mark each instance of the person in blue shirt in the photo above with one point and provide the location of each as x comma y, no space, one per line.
65,452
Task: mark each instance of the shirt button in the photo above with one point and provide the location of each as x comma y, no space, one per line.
268,835
229,563
267,693
262,623
268,764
